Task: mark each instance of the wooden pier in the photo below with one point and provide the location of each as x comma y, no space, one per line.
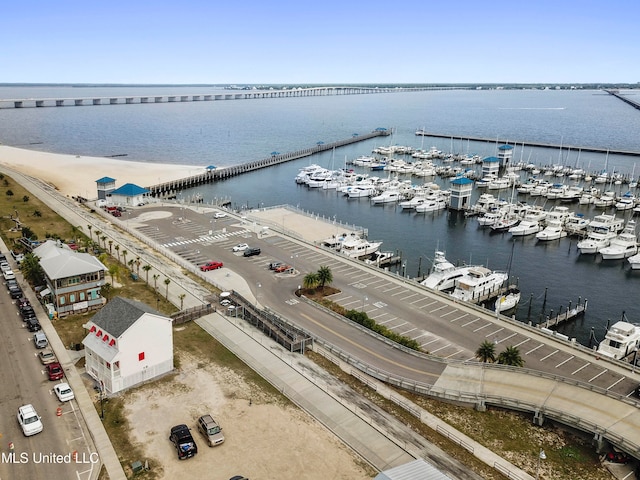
530,144
170,189
616,94
571,313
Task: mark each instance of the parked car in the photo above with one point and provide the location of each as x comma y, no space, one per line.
238,477
183,441
211,266
47,356
251,251
8,275
210,429
282,268
274,265
29,420
219,215
54,371
240,247
33,325
64,392
40,340
4,266
27,312
15,292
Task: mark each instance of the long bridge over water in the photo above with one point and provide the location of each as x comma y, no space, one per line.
207,97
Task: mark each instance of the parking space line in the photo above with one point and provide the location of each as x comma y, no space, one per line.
460,317
567,360
454,353
483,327
596,376
494,332
534,349
441,348
470,322
550,355
614,384
582,367
410,330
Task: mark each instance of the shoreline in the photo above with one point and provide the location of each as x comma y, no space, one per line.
75,175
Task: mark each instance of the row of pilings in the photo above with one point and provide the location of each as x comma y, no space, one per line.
171,188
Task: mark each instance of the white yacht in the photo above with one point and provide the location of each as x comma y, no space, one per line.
388,196
433,204
478,281
525,227
634,261
555,221
626,202
355,246
576,223
621,340
444,274
624,245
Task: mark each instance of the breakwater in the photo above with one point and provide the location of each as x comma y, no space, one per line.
212,174
500,141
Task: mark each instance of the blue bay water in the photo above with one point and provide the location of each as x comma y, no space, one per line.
235,131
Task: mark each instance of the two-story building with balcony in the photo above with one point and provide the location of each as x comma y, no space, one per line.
74,280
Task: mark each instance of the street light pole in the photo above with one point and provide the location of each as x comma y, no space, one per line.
541,456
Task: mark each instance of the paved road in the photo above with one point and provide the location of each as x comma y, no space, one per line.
446,329
26,382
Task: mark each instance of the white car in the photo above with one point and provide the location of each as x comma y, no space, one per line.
64,392
241,247
220,215
8,275
29,420
4,266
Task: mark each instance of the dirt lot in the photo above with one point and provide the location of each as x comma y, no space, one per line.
264,438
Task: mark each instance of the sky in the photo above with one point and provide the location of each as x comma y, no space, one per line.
325,42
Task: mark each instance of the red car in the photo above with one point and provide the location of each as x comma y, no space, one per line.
211,266
54,370
282,268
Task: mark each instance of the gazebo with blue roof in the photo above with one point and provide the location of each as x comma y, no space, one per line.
105,185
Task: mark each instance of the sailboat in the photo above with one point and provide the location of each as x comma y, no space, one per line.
508,301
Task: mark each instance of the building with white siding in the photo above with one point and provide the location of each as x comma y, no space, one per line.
127,343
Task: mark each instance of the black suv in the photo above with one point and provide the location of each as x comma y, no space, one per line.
33,325
251,251
183,441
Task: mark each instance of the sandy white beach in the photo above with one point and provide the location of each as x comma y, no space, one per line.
76,175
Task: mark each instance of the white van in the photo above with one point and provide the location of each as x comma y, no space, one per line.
40,340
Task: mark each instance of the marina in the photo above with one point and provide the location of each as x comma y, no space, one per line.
234,133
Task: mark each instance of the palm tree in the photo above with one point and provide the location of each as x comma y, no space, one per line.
156,276
167,281
124,255
31,268
486,352
181,297
74,232
146,268
130,264
117,247
138,265
90,235
325,276
511,356
114,272
104,240
110,245
310,281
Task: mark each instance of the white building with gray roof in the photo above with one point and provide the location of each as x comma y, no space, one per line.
128,343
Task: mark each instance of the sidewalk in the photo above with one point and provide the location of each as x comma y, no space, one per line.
378,437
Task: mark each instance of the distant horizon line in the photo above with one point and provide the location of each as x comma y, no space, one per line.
379,84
